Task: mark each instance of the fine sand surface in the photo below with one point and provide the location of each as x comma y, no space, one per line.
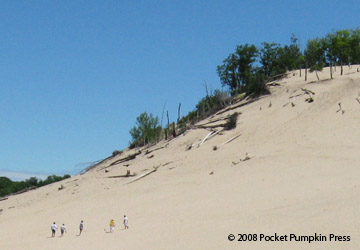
303,177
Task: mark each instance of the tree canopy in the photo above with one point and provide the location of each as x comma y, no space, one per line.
8,186
146,130
252,65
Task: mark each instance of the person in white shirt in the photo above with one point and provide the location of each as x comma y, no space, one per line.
126,221
53,229
63,229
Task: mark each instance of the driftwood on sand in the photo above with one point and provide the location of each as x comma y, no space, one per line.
167,163
305,92
246,158
210,126
144,175
215,120
207,137
230,140
310,93
150,151
127,158
237,106
340,109
123,176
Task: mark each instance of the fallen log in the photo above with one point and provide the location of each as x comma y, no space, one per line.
216,120
247,157
211,126
296,95
237,106
167,163
286,104
273,84
144,175
122,176
128,158
203,140
150,151
309,92
212,135
230,140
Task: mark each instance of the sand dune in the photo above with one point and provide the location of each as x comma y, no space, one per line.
302,179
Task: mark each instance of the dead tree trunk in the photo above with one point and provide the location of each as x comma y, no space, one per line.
342,70
179,112
174,130
331,76
168,126
162,115
317,76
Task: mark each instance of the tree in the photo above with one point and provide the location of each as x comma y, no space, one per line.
328,44
315,56
146,130
277,60
341,49
237,68
228,73
292,56
270,58
355,46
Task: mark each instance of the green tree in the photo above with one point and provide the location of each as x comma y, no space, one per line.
146,130
315,56
277,60
291,55
355,46
236,70
342,50
328,44
270,58
228,73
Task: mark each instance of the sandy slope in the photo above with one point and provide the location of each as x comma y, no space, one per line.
303,178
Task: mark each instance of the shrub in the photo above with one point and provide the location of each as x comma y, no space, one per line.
231,122
116,152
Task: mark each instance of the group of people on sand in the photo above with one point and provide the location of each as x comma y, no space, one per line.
81,227
125,222
63,229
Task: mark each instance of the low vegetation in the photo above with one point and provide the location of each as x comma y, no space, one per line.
8,186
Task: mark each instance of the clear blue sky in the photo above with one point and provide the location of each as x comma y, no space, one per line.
74,75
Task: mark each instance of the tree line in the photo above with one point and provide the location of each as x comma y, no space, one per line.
246,71
8,186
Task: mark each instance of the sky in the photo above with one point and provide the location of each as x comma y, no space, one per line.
74,75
